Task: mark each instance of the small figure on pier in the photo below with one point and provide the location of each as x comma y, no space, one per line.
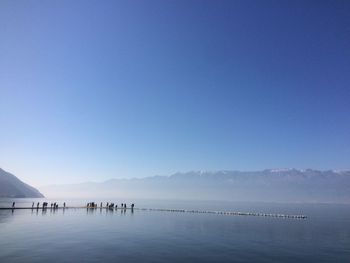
107,205
37,205
13,204
101,205
64,205
132,206
124,206
32,205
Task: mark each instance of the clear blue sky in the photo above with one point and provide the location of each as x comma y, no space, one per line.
91,90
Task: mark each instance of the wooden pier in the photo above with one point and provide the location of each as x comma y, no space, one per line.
228,213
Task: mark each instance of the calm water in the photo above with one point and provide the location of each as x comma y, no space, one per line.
147,236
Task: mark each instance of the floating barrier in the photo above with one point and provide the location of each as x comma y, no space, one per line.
224,213
166,210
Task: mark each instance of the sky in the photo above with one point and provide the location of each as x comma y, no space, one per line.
92,90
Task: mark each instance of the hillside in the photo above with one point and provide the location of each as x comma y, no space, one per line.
11,186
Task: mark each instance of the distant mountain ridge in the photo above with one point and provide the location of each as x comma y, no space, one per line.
11,186
273,185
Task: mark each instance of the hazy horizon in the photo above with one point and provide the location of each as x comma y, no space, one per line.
277,185
198,171
121,177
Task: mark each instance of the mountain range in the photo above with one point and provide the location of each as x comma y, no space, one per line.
11,186
274,185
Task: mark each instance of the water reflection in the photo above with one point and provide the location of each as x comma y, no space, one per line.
110,211
6,216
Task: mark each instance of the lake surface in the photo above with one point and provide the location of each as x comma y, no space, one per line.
81,235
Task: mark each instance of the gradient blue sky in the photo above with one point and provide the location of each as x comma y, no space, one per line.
91,90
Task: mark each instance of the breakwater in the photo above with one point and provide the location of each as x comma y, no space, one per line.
227,213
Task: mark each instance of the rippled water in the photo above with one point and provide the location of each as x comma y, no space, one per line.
80,235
